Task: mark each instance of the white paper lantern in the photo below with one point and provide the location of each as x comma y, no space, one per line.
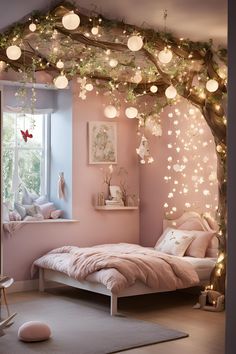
32,27
110,111
137,77
94,31
131,112
13,52
170,92
89,87
153,88
165,56
113,63
60,64
212,85
71,21
61,82
135,43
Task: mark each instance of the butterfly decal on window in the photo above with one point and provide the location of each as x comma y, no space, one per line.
26,135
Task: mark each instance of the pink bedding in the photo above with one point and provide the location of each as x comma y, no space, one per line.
118,266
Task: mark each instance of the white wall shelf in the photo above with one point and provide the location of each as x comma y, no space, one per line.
109,208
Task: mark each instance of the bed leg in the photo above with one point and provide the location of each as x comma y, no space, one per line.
113,305
41,280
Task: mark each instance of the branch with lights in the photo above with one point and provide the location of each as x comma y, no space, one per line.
134,62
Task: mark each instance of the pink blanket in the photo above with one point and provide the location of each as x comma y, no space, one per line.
119,265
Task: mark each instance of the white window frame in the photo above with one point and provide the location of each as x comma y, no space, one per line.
45,150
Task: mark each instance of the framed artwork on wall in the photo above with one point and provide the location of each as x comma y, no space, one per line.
102,142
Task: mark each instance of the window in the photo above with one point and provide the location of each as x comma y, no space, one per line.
25,161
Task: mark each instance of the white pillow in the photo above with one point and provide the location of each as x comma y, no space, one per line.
28,197
174,242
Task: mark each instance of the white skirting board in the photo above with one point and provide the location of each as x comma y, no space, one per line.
29,285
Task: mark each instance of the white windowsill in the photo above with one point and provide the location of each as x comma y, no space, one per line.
45,221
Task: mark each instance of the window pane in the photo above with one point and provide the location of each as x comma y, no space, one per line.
29,164
9,130
8,163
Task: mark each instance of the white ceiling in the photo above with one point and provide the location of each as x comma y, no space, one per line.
194,19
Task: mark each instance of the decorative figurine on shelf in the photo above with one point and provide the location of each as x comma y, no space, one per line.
210,300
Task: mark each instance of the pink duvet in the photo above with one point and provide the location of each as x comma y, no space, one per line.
118,266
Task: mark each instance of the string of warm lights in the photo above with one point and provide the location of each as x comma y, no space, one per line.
117,58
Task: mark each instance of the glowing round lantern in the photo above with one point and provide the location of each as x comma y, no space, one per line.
212,85
13,52
61,82
32,27
170,92
110,111
165,56
131,112
71,21
135,43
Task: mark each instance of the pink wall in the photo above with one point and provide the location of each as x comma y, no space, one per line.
94,227
185,129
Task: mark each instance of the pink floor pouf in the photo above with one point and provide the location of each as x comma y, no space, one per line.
34,331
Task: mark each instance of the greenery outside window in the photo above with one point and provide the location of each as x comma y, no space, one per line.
25,162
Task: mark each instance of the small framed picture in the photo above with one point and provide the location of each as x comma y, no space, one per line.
102,142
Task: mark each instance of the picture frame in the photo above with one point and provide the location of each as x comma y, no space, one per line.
102,142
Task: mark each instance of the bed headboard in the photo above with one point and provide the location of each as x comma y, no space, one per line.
204,222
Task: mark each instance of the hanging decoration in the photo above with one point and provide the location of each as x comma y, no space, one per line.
143,151
13,52
25,134
135,43
71,21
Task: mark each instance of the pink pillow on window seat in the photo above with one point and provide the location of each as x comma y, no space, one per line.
47,209
56,214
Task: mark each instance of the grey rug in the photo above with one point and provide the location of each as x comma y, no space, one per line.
80,327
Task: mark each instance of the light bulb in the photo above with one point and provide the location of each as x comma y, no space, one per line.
135,43
212,85
153,88
70,21
94,31
13,52
89,87
60,64
110,111
61,82
170,92
113,63
165,56
32,27
131,112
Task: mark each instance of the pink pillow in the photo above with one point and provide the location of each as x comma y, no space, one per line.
55,214
34,331
200,243
46,209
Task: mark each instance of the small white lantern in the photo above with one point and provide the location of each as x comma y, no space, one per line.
94,31
131,112
170,92
110,111
153,88
89,87
60,64
137,77
13,52
165,56
71,21
212,85
135,43
32,27
113,63
61,82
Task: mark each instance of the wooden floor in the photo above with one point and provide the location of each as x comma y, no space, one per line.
173,310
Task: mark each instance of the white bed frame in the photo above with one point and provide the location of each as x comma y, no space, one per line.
138,288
